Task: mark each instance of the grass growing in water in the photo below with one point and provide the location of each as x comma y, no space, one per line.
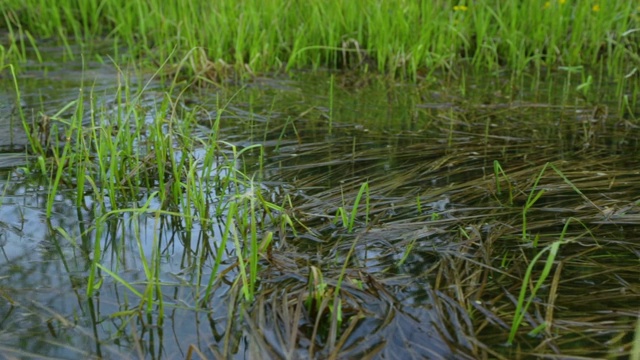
348,218
136,162
465,281
436,216
525,301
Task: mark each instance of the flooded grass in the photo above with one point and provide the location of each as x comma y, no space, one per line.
245,223
333,214
475,251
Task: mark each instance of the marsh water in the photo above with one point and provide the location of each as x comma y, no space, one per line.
436,266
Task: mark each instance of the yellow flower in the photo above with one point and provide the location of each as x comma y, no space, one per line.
548,4
595,8
459,8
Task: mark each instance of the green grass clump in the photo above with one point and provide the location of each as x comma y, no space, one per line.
403,37
137,162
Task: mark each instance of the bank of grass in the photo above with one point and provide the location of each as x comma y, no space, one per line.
409,38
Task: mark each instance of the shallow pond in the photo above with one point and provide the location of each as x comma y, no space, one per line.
431,267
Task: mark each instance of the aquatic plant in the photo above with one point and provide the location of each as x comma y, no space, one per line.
138,161
348,217
443,223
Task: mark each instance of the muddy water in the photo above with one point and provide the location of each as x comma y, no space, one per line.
427,152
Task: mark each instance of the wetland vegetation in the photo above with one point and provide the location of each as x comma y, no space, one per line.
322,179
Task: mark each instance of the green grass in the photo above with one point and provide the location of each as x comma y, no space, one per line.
525,301
348,218
408,38
138,161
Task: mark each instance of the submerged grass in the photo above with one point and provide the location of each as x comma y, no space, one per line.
311,242
407,38
313,247
505,233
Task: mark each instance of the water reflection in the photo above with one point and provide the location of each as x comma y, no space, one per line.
420,147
